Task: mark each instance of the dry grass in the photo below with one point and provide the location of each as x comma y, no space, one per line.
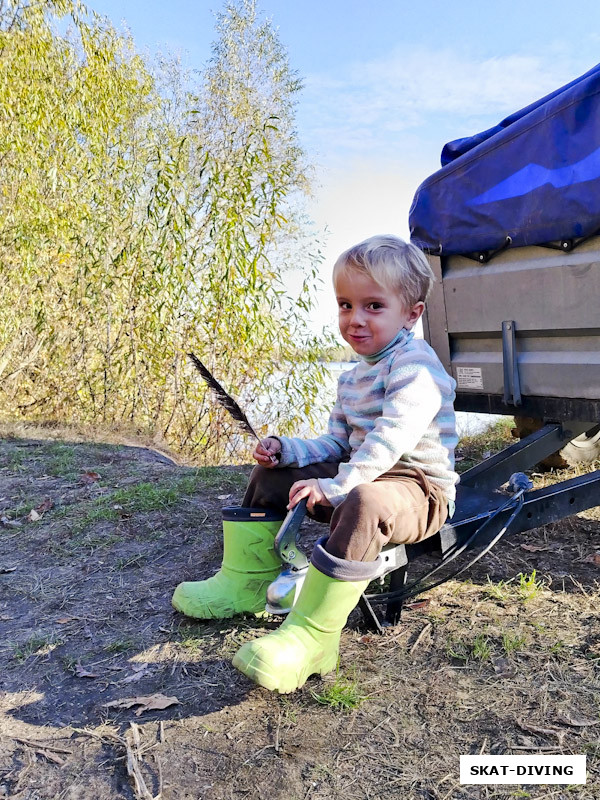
505,661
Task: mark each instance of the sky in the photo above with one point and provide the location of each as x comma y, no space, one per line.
387,84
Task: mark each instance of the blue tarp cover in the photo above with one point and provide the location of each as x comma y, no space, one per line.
534,177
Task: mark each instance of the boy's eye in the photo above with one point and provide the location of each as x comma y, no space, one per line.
376,306
345,305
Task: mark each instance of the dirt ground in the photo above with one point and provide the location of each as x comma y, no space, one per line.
93,540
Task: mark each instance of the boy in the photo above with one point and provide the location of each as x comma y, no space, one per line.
383,473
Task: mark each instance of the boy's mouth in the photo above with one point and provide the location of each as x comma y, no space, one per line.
358,339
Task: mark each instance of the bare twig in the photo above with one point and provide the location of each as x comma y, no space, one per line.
420,637
276,745
132,743
53,757
107,735
42,746
556,749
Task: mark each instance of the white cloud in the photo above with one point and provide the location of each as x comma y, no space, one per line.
371,105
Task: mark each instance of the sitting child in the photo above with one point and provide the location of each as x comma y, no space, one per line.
383,473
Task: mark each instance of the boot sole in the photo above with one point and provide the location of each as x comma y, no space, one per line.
225,615
283,684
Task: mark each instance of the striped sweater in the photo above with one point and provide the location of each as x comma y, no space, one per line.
398,410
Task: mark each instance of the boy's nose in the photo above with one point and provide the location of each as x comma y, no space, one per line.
357,319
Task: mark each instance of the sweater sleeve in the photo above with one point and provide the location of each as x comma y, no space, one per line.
411,401
332,446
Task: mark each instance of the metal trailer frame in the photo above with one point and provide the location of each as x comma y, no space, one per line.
520,333
479,505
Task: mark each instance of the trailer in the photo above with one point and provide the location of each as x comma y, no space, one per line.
511,227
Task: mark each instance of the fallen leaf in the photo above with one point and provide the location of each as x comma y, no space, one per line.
146,702
503,668
82,672
5,618
593,559
6,570
550,731
418,604
90,477
44,506
534,548
33,515
576,721
64,620
223,496
141,671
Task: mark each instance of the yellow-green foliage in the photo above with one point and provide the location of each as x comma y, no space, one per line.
143,218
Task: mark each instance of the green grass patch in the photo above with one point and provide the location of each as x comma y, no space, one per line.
501,591
62,461
13,460
529,586
119,646
22,508
343,695
133,561
217,477
524,587
456,648
28,648
511,643
481,649
145,497
150,496
192,644
472,449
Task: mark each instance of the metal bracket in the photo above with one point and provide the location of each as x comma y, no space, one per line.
567,245
512,386
522,455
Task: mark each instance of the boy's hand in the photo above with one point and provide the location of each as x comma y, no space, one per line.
311,490
268,452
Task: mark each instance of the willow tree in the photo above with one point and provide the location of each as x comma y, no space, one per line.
245,116
135,230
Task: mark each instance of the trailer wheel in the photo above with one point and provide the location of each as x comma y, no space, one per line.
581,450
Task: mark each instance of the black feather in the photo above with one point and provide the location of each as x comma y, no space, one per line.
226,400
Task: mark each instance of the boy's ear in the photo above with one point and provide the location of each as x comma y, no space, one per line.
415,313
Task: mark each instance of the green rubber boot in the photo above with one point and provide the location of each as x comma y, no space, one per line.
249,566
307,642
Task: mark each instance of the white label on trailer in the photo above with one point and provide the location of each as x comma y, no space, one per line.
469,378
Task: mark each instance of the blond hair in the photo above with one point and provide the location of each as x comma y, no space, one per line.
391,262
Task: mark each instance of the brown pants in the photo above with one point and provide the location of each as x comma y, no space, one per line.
399,507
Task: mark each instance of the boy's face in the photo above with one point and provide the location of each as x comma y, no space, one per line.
369,315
